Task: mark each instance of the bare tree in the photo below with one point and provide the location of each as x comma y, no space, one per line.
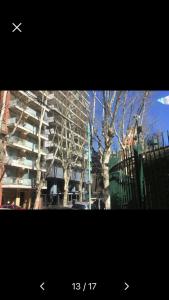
55,143
110,103
70,149
71,157
82,174
63,144
131,113
39,177
118,109
3,105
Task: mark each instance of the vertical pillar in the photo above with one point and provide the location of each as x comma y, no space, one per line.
89,164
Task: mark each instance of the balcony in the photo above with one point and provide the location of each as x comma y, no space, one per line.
17,181
34,98
18,142
25,163
17,104
21,143
21,161
26,127
28,164
13,121
22,182
57,172
50,156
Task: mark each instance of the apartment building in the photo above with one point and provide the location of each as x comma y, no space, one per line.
19,178
66,116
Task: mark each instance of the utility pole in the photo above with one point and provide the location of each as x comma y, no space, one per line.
89,163
94,111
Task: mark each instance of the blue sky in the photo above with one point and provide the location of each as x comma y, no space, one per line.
158,113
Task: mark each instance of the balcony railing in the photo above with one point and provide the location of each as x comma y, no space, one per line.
34,97
20,162
17,181
26,144
27,127
24,162
28,110
31,111
22,142
13,121
21,181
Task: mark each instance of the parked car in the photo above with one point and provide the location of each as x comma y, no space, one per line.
4,208
11,206
56,207
82,205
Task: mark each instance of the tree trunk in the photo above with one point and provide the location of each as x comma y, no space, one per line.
66,177
39,180
81,186
38,199
106,187
106,182
29,203
4,96
39,184
3,154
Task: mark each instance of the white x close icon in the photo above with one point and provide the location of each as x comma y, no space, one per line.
17,27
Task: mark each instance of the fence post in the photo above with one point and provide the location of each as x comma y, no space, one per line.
139,174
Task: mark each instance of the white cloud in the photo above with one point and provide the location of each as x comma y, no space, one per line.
164,100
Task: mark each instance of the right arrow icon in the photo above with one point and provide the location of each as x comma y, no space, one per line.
126,286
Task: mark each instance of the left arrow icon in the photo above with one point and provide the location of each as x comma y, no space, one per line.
42,286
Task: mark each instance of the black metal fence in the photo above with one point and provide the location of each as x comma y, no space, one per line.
140,179
53,200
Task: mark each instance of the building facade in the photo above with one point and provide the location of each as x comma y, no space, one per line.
65,118
68,119
19,178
